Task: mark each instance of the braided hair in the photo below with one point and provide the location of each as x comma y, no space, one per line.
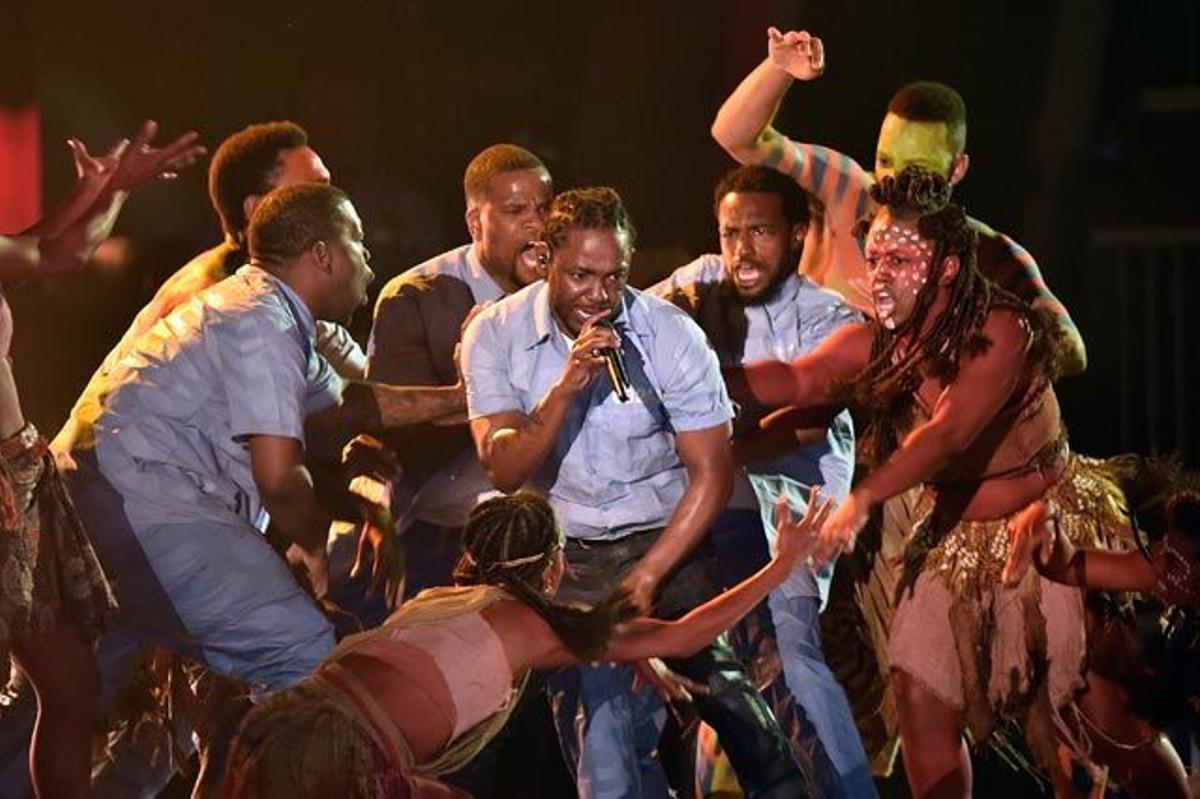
508,542
901,357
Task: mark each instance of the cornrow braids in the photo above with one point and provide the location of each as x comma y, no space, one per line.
596,208
900,357
508,542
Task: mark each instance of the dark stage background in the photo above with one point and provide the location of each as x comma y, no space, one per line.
1083,136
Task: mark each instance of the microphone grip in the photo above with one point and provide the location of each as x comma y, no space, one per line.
616,373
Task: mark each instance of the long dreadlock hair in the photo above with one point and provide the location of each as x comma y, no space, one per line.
901,357
508,542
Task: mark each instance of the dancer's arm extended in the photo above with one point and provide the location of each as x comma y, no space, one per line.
646,637
1035,539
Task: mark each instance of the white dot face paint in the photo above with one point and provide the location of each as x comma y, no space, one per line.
898,261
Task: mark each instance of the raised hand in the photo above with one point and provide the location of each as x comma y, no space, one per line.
96,168
796,539
140,162
798,53
1029,537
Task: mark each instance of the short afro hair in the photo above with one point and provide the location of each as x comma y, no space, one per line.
246,164
291,219
495,160
765,180
929,101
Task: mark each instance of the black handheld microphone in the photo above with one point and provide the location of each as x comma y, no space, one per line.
616,368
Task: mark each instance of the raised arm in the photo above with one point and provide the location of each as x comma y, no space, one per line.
64,239
743,123
743,127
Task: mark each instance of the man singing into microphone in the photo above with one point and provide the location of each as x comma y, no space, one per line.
635,484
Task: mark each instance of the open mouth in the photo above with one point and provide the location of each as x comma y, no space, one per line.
747,275
885,304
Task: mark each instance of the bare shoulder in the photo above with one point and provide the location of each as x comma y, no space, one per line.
1008,332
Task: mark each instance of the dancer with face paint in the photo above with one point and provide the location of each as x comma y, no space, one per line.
954,381
925,125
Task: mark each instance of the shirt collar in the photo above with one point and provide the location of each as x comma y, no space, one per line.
304,317
483,286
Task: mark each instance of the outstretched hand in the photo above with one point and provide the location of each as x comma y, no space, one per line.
841,529
798,53
796,539
139,162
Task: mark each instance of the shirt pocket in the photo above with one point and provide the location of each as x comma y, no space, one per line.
633,439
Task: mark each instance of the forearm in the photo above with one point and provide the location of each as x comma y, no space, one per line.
292,503
512,454
69,249
705,497
1097,570
771,384
782,432
925,452
743,124
69,210
691,633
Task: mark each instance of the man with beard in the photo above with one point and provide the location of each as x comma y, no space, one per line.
925,125
637,465
753,304
954,380
418,324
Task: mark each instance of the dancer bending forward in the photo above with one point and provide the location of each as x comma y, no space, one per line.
423,694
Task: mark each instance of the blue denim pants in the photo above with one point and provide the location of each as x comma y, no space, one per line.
837,756
611,732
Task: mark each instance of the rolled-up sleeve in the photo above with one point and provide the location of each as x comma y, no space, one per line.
263,370
486,369
693,392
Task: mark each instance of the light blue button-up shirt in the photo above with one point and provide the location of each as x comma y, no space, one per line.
463,263
794,321
171,418
615,468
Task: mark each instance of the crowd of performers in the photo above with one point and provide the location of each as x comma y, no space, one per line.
579,488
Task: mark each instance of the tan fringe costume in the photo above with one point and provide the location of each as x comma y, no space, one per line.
1017,652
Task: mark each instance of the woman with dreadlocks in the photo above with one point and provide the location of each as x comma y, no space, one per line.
953,377
425,692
